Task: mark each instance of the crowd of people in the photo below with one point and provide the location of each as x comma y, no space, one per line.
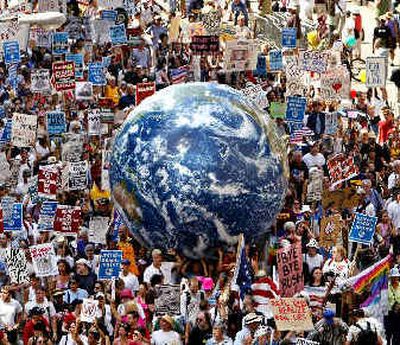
212,306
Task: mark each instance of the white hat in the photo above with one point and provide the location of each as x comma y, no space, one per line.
252,318
83,261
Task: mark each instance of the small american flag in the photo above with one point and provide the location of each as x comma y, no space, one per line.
179,75
243,272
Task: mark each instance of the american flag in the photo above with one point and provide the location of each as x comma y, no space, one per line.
243,276
263,290
179,75
297,136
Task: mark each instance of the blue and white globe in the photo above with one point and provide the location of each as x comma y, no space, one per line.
194,166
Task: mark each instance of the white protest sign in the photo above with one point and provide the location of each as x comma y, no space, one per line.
77,175
256,94
44,260
94,122
40,81
24,130
314,61
376,72
98,227
89,310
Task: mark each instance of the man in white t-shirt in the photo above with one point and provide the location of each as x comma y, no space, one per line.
158,267
130,280
10,310
314,158
166,336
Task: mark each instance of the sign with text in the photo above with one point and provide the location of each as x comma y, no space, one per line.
376,71
275,61
289,38
68,219
335,84
96,74
302,341
64,75
56,123
12,215
290,270
11,52
78,60
292,314
60,43
77,175
168,300
341,168
24,130
204,45
256,93
240,55
314,61
48,181
110,264
331,231
47,215
363,229
40,81
17,268
296,108
44,260
144,90
118,34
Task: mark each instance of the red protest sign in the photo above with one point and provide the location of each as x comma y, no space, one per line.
68,219
48,181
64,75
341,168
144,90
290,270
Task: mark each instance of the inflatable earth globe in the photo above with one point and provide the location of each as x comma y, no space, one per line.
196,165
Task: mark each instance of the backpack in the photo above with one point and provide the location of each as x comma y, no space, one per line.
366,336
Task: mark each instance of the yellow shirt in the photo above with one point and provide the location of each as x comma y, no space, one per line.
113,93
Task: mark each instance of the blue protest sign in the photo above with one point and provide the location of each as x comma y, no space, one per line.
261,68
6,134
363,228
96,74
110,264
78,59
11,52
296,108
60,43
289,38
47,215
275,60
118,34
12,215
109,15
13,75
56,123
106,61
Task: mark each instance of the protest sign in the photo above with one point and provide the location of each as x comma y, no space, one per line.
261,68
109,15
290,270
106,105
47,181
275,60
314,61
94,122
78,60
77,175
256,94
14,221
335,84
72,148
110,3
289,38
17,269
74,27
24,130
291,314
96,74
44,260
11,30
144,90
341,168
67,219
331,123
110,264
296,108
330,231
340,199
7,132
40,81
240,55
56,123
302,341
204,45
376,71
277,110
363,229
60,43
47,215
41,37
295,84
118,34
52,6
64,75
83,91
98,227
212,22
11,52
13,75
168,300
89,310
315,185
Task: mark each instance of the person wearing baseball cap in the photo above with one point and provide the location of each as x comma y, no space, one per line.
250,324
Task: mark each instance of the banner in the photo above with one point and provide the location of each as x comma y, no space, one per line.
144,90
24,130
48,177
240,55
256,93
96,74
275,61
17,269
291,314
376,72
98,228
314,61
89,310
296,108
94,122
77,175
56,123
363,229
44,260
64,75
168,300
60,43
47,216
40,81
204,45
290,270
335,84
11,52
110,264
118,34
68,219
330,231
289,38
78,60
341,168
277,110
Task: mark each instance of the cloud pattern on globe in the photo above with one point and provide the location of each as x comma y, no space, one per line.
194,166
